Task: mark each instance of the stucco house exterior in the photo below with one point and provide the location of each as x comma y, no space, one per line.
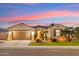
55,31
25,32
21,32
40,32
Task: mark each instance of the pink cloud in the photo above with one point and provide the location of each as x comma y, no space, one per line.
70,23
50,14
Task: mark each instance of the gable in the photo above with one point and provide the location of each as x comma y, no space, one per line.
21,27
57,26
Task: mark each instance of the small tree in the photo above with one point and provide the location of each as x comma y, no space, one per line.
68,34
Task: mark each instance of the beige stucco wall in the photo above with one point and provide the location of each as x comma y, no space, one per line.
52,28
19,27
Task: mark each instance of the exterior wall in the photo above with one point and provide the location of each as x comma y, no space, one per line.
49,33
10,35
39,33
19,27
53,28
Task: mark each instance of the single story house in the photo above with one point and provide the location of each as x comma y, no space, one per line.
24,32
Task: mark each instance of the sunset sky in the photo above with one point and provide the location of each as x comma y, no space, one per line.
39,14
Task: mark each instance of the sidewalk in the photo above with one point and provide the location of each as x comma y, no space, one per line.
18,44
54,47
39,47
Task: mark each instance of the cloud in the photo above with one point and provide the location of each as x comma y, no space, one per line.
69,23
50,14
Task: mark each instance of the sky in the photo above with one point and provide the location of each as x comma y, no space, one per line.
66,14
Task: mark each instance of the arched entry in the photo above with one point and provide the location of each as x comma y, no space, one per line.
57,32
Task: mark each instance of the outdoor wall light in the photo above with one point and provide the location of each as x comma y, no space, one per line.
32,33
10,32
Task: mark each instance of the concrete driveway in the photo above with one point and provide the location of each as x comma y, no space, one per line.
15,43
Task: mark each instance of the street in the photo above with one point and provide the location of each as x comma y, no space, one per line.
39,52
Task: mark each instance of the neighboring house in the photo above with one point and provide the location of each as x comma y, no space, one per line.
3,34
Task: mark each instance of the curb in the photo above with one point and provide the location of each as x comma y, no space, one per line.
41,47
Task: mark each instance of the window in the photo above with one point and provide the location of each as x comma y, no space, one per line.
57,32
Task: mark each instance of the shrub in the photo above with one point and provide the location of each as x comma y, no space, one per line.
38,41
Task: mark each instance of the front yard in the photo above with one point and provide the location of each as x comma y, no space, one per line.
55,44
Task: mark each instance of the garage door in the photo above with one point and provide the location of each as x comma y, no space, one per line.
21,35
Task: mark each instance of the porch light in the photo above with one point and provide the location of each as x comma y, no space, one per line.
10,32
32,33
33,36
9,36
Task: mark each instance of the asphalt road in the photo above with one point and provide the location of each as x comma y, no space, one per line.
39,52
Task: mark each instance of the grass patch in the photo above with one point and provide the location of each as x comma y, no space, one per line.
55,44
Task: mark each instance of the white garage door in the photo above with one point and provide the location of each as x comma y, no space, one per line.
21,35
